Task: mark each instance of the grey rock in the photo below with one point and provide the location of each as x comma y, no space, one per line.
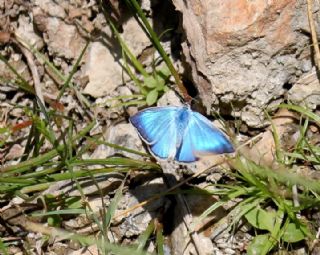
25,32
103,71
306,91
63,40
125,135
139,219
52,8
241,61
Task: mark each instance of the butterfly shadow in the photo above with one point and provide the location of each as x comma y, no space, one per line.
167,208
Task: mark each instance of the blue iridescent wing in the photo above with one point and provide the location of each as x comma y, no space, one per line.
201,137
208,138
185,152
157,128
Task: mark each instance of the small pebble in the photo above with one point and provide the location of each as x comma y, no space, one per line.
220,240
216,251
229,251
223,245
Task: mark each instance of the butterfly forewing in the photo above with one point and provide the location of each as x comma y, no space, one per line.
158,128
165,147
207,138
152,122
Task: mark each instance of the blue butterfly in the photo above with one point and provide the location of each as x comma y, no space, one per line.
179,133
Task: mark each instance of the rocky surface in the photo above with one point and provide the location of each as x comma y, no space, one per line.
244,55
306,91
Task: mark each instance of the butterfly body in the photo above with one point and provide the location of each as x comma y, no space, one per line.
179,133
182,119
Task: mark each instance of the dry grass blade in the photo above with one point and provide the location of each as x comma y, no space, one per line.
33,69
313,34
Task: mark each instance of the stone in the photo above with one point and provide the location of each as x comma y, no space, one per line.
64,40
263,151
244,55
134,37
51,8
169,98
125,135
26,33
110,75
137,221
103,71
90,250
180,236
306,91
19,65
16,151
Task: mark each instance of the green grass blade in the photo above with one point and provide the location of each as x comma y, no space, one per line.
22,83
118,147
160,240
117,161
60,212
113,206
303,111
143,238
156,42
3,247
135,62
282,175
73,71
27,165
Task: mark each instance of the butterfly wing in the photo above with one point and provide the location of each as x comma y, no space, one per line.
202,137
208,138
157,128
186,152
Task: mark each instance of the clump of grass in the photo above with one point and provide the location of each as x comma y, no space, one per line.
267,196
41,165
40,168
151,85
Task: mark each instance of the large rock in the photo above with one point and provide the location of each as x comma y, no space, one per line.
103,66
63,40
51,8
243,54
104,73
134,37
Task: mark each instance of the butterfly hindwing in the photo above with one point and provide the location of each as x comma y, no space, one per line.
165,147
186,153
201,137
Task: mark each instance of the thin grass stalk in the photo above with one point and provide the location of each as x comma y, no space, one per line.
73,71
154,39
24,85
27,165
